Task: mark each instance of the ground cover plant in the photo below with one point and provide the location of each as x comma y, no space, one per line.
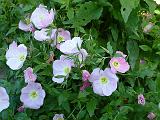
79,60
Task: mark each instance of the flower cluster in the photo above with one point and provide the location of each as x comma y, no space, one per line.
40,23
104,83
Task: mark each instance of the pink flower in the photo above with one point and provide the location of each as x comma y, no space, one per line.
121,53
148,28
21,109
85,75
41,17
85,85
58,117
42,35
16,55
60,36
26,27
119,64
104,82
32,96
4,99
29,75
141,99
151,116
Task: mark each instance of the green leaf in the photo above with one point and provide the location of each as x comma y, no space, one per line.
127,7
145,48
133,52
86,12
21,116
152,5
109,48
158,82
11,30
91,106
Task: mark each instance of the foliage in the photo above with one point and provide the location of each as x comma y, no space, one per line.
105,27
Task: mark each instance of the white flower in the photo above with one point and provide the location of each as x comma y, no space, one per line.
4,99
41,35
41,17
25,27
61,68
16,55
71,46
82,55
58,117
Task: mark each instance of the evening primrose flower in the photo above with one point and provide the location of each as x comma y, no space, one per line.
148,27
62,35
151,116
58,117
16,55
121,53
4,99
104,82
42,35
67,59
32,95
26,27
82,55
141,99
85,75
119,64
71,46
61,68
41,17
85,85
29,75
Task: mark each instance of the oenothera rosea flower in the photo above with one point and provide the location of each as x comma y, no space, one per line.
104,82
141,99
85,75
4,99
41,17
148,27
58,117
74,47
119,64
16,55
67,59
29,76
26,27
85,85
85,78
121,53
42,35
32,96
61,70
71,46
62,35
151,116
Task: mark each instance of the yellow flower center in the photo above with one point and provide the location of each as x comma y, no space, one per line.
41,17
103,80
27,20
116,64
66,70
22,57
33,95
60,39
60,119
